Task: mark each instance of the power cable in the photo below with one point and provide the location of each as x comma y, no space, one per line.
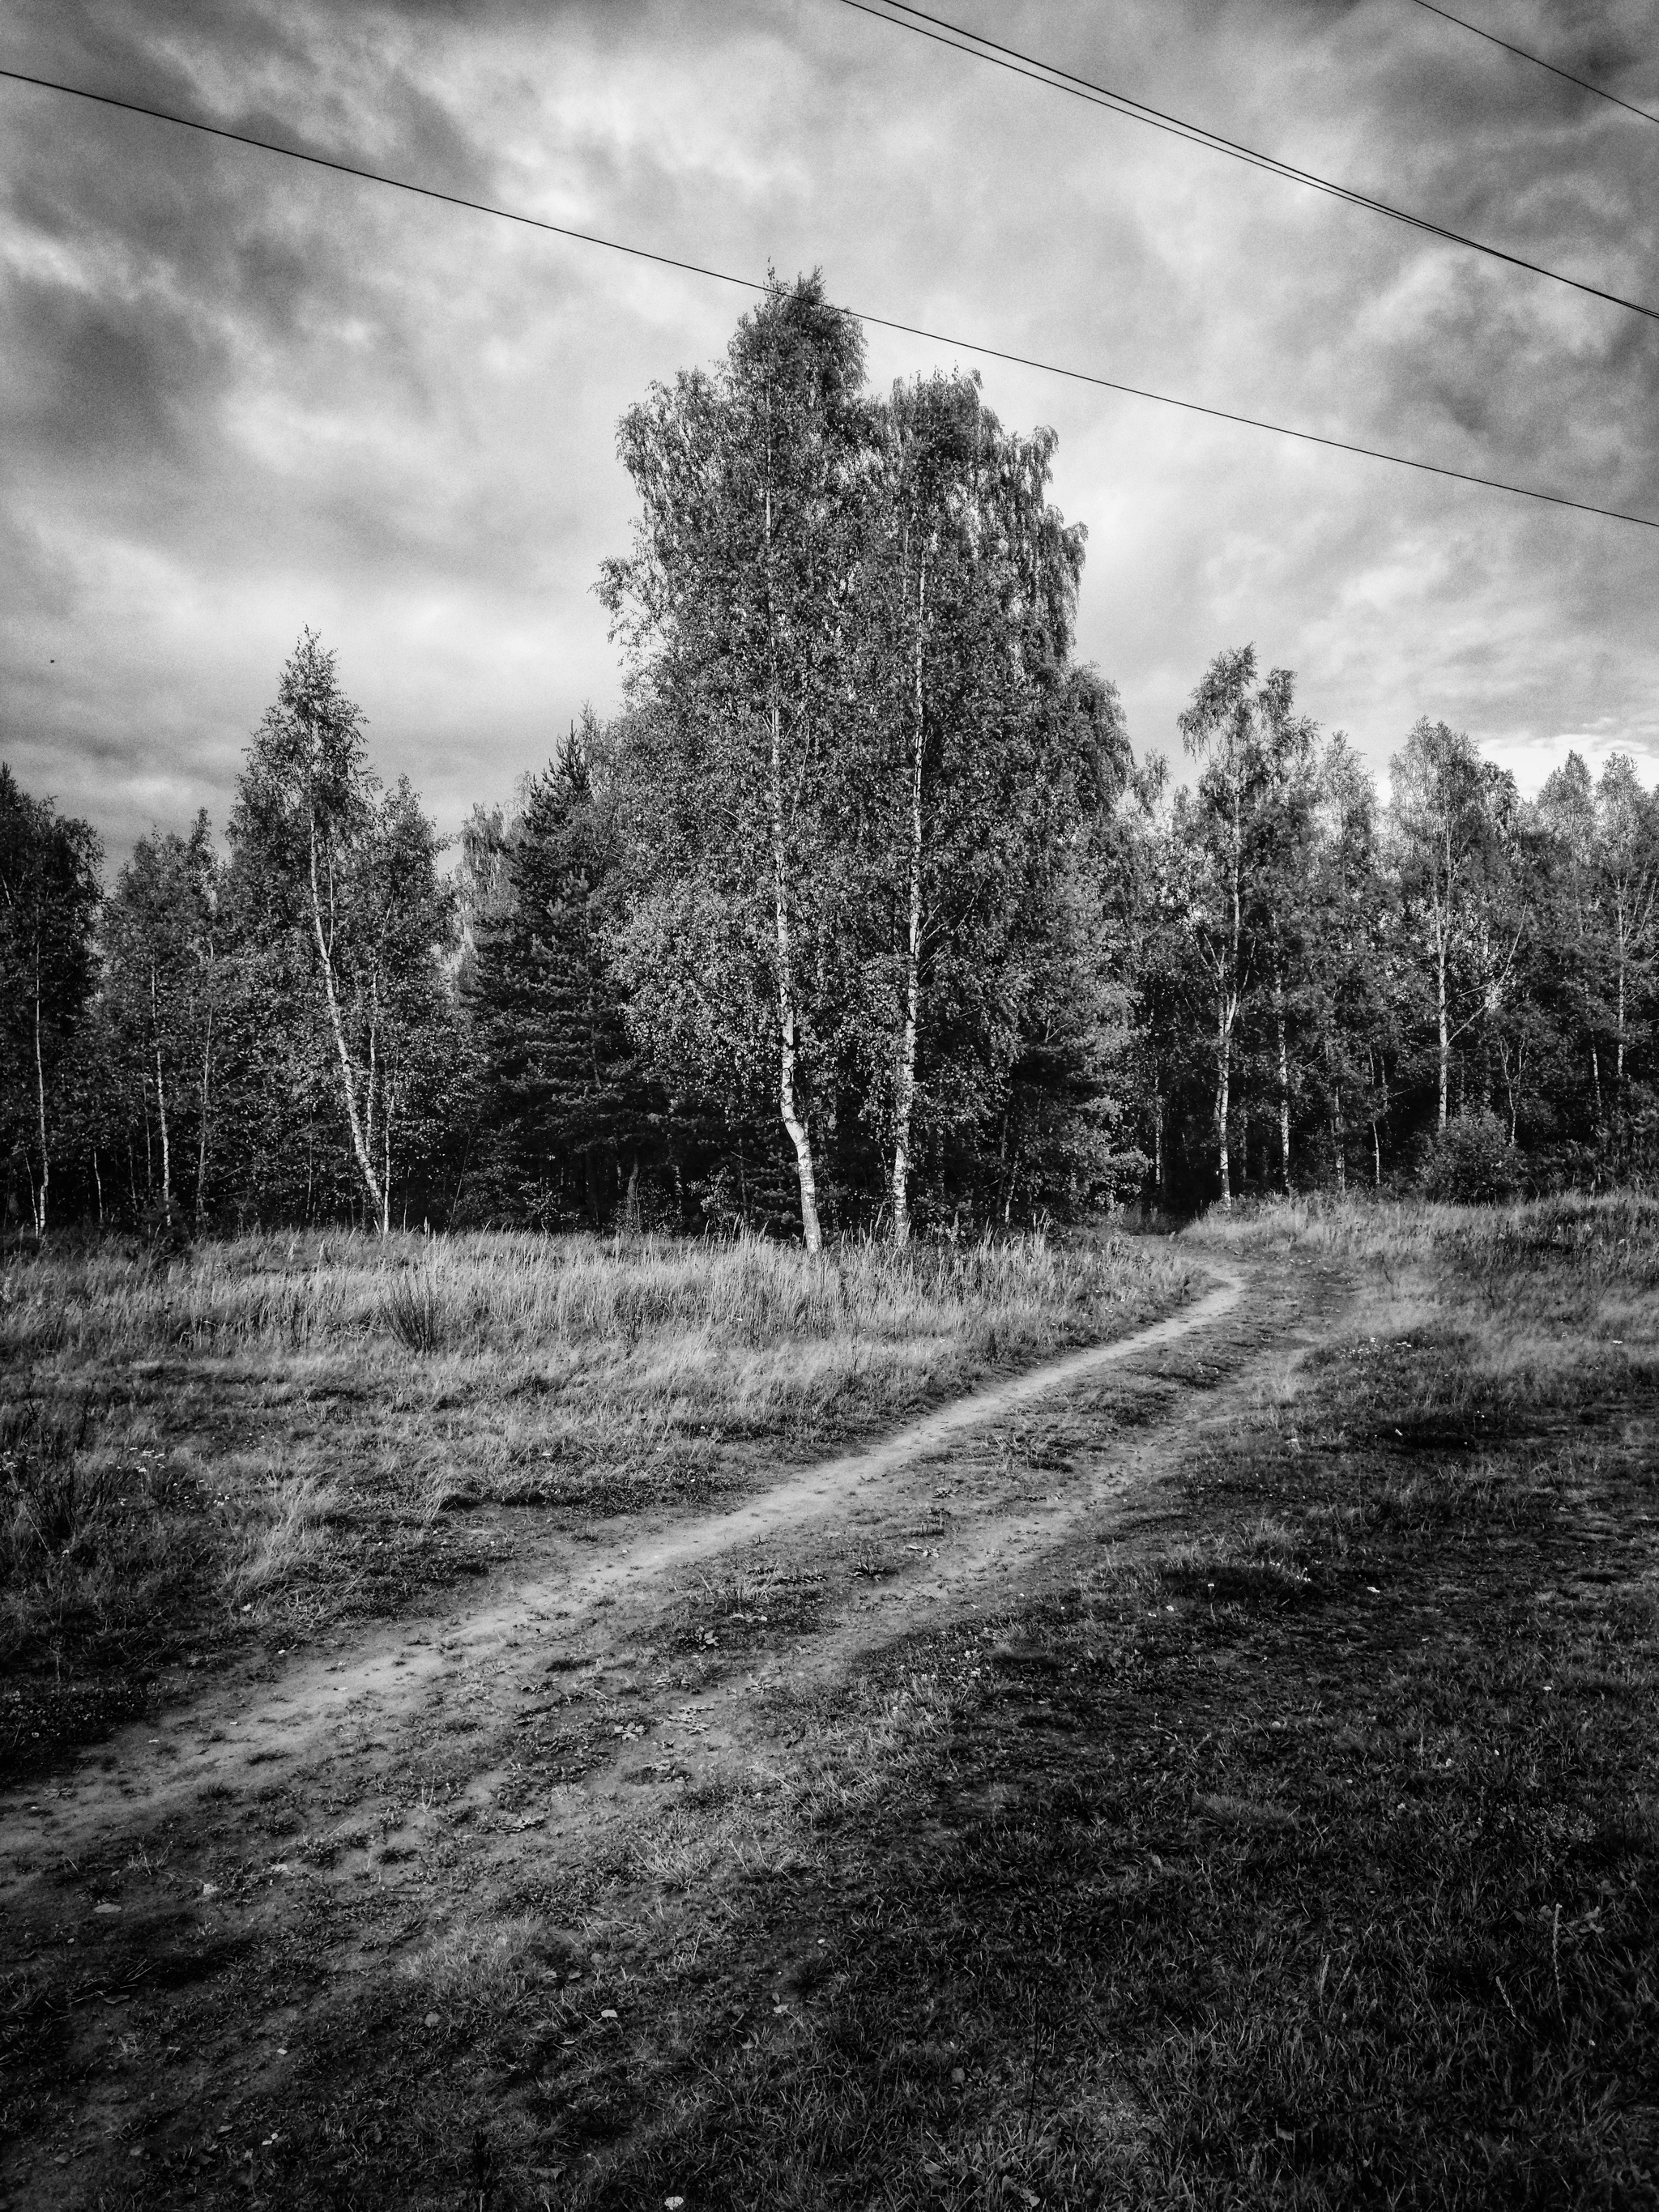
880,322
899,14
1538,62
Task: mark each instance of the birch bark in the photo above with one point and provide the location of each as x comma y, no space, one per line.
905,1104
794,1121
355,1120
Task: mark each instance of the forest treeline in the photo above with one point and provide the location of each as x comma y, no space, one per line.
860,914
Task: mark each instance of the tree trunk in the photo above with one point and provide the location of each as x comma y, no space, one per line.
348,1072
1223,1087
905,1101
1227,1003
788,1106
1284,1082
1339,1135
167,1147
1445,1038
386,1152
98,1185
37,1194
1620,1102
161,1099
202,1126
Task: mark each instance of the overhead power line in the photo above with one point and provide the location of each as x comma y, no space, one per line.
1538,62
941,31
880,322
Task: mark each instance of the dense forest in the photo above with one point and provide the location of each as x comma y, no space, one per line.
861,917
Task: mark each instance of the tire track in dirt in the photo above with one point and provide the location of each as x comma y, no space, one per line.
343,1706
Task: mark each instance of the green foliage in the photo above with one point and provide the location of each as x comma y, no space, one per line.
163,995
1470,1162
861,914
49,894
860,782
342,922
567,1112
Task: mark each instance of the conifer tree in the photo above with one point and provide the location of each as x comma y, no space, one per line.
570,1117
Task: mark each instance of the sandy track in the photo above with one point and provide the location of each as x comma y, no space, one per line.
407,1790
352,1705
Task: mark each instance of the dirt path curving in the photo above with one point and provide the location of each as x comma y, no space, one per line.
370,1798
323,1702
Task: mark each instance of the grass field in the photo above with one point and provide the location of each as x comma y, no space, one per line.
270,1438
1301,1851
1284,1835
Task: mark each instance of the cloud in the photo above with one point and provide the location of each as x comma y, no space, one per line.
243,395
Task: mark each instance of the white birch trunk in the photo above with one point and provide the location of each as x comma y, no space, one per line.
1284,1081
161,1100
905,1101
1222,1093
1445,1037
38,1193
348,1072
202,1126
167,1148
788,1105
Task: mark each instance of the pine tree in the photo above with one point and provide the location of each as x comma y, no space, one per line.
569,1117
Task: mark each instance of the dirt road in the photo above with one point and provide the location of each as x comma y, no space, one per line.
193,1900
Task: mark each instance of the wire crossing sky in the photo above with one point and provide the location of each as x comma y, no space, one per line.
245,393
962,40
1538,62
884,322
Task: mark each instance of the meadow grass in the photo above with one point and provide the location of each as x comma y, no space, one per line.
1300,1852
271,1434
1295,1848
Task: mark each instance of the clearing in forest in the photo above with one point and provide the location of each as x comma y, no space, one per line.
523,1724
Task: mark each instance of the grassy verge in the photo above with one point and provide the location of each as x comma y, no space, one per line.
256,1444
1302,1851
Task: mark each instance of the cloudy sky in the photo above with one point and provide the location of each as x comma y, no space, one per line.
241,395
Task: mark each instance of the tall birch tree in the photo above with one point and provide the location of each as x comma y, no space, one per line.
734,606
1216,829
161,986
985,751
1448,847
323,857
